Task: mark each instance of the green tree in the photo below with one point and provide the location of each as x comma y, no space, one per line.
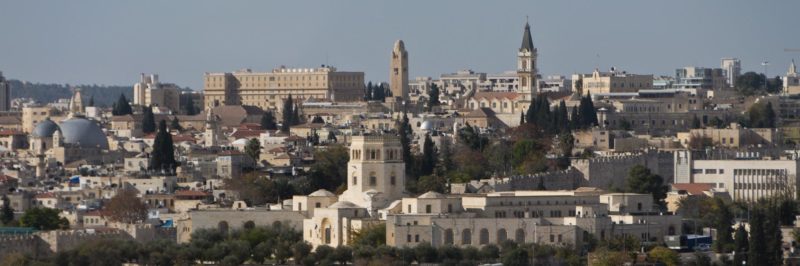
187,104
327,172
516,257
429,156
664,255
741,245
126,207
374,235
268,121
288,114
6,212
91,101
122,107
425,253
696,122
433,99
163,155
253,149
317,120
641,180
756,254
43,219
300,251
331,137
343,254
175,124
432,183
148,121
722,221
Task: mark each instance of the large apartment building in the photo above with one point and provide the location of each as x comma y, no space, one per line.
268,89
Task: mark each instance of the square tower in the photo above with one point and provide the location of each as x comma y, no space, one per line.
376,168
398,73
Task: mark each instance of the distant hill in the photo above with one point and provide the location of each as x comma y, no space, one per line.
45,93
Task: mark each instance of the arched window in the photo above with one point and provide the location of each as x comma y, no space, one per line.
355,180
448,237
484,237
392,179
519,236
466,237
501,236
223,226
373,181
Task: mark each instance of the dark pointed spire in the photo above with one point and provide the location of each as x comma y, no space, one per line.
527,42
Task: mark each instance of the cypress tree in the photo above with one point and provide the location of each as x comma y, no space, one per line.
522,118
575,119
757,250
287,114
429,156
563,117
296,120
163,155
769,116
268,121
175,124
91,101
122,107
368,92
148,121
741,245
6,213
331,136
433,99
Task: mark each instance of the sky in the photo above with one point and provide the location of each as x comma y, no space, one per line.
111,42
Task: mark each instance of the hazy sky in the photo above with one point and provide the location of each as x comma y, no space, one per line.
111,42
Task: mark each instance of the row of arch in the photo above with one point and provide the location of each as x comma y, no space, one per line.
483,237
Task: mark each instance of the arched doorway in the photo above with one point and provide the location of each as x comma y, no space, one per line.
325,231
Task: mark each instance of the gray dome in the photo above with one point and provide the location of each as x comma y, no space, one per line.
45,129
427,125
83,132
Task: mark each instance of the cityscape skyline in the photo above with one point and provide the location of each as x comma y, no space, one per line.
64,43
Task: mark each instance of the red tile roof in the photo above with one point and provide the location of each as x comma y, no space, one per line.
247,133
5,178
191,193
490,95
693,188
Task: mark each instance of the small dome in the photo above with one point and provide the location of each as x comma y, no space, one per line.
427,125
343,205
45,129
84,133
322,193
431,195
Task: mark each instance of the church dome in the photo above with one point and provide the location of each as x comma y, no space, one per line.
343,205
322,193
45,129
427,125
84,133
431,195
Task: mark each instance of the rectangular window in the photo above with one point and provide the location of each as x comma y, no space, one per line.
428,208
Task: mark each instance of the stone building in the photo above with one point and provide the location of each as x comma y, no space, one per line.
398,75
745,179
612,81
150,92
268,90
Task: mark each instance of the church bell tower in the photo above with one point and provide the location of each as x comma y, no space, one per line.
526,66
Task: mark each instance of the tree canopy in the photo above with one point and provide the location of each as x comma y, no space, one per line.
43,219
126,207
163,155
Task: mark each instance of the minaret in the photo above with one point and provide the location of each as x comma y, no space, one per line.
211,136
398,73
526,66
792,69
